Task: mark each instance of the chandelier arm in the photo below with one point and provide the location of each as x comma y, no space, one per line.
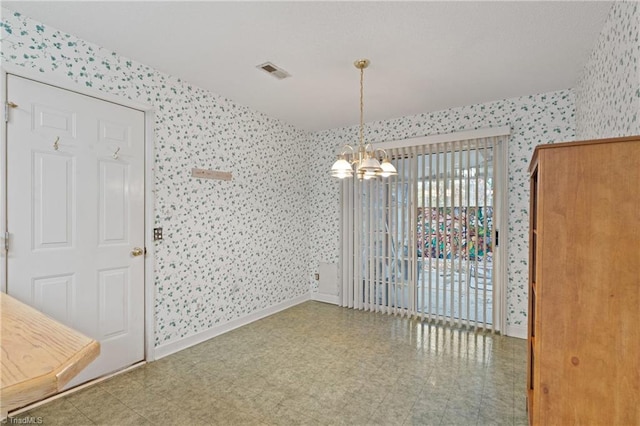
345,148
383,152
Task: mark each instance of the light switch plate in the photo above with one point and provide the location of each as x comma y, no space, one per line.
157,234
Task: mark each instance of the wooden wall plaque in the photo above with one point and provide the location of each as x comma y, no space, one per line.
210,174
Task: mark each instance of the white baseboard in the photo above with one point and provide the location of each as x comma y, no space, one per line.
519,331
186,342
326,298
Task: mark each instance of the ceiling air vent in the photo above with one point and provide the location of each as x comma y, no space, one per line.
274,70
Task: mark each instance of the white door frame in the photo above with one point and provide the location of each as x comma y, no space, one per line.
149,199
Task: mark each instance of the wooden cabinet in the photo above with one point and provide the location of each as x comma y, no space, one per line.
584,284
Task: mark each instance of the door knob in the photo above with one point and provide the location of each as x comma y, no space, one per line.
137,251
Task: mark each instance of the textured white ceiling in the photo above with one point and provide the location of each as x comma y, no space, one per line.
426,56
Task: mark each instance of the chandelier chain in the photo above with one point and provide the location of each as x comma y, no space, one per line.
362,106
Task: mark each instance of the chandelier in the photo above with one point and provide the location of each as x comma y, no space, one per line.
364,156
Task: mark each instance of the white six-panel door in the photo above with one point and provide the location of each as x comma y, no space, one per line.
75,214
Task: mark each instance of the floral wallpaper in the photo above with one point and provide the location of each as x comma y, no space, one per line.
608,92
534,120
232,248
229,248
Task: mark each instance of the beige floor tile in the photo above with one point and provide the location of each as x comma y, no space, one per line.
285,416
497,418
317,364
58,412
168,413
105,409
223,414
143,401
393,411
89,397
428,408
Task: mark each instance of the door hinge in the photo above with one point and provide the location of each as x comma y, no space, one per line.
8,105
497,238
6,240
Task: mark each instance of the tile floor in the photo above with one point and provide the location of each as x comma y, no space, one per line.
315,364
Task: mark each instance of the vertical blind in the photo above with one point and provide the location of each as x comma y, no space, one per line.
421,243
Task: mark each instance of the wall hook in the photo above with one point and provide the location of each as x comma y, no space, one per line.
55,144
115,154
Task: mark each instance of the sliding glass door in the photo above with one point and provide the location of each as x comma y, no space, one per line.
455,233
422,243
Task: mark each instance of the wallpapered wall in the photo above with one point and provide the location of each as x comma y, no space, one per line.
608,92
230,247
241,246
534,120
